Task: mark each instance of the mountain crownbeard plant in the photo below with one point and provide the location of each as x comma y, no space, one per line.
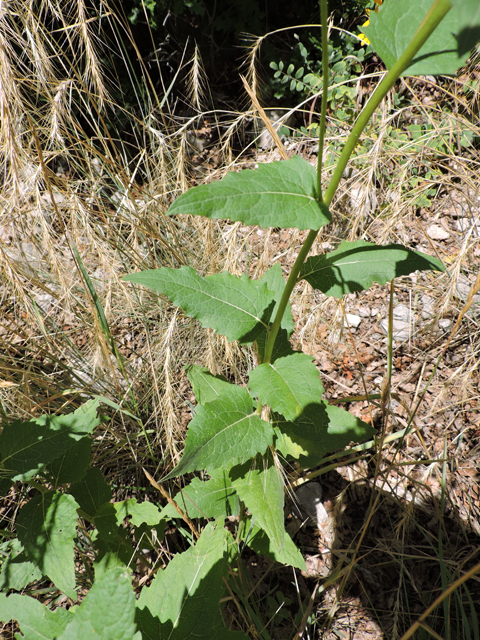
238,435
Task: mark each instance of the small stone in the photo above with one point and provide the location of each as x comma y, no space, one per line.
428,304
445,324
58,198
364,312
401,329
437,232
352,320
465,224
401,312
44,301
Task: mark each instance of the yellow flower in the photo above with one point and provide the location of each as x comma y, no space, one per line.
362,37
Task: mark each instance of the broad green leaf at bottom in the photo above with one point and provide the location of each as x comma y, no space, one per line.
46,527
35,620
183,600
107,612
259,485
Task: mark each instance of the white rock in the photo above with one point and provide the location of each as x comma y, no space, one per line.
445,324
364,312
437,232
463,288
428,304
58,197
352,320
44,301
402,312
465,224
401,329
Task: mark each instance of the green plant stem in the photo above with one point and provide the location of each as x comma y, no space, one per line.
437,12
435,15
291,282
323,109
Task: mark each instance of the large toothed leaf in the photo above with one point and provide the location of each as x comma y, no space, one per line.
46,529
355,266
91,492
287,385
259,485
215,498
107,612
17,571
321,429
224,432
280,194
27,447
391,29
138,513
183,600
235,307
258,540
35,620
206,386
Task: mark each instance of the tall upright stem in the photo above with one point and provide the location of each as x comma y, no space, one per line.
435,15
323,110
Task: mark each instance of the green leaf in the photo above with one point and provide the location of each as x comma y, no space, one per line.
105,520
355,266
206,386
107,612
91,492
215,498
279,194
259,542
27,447
259,485
183,600
321,429
114,548
72,465
391,29
35,620
46,529
235,307
288,385
137,512
224,432
17,571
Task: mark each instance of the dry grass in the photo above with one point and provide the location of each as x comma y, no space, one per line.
75,196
